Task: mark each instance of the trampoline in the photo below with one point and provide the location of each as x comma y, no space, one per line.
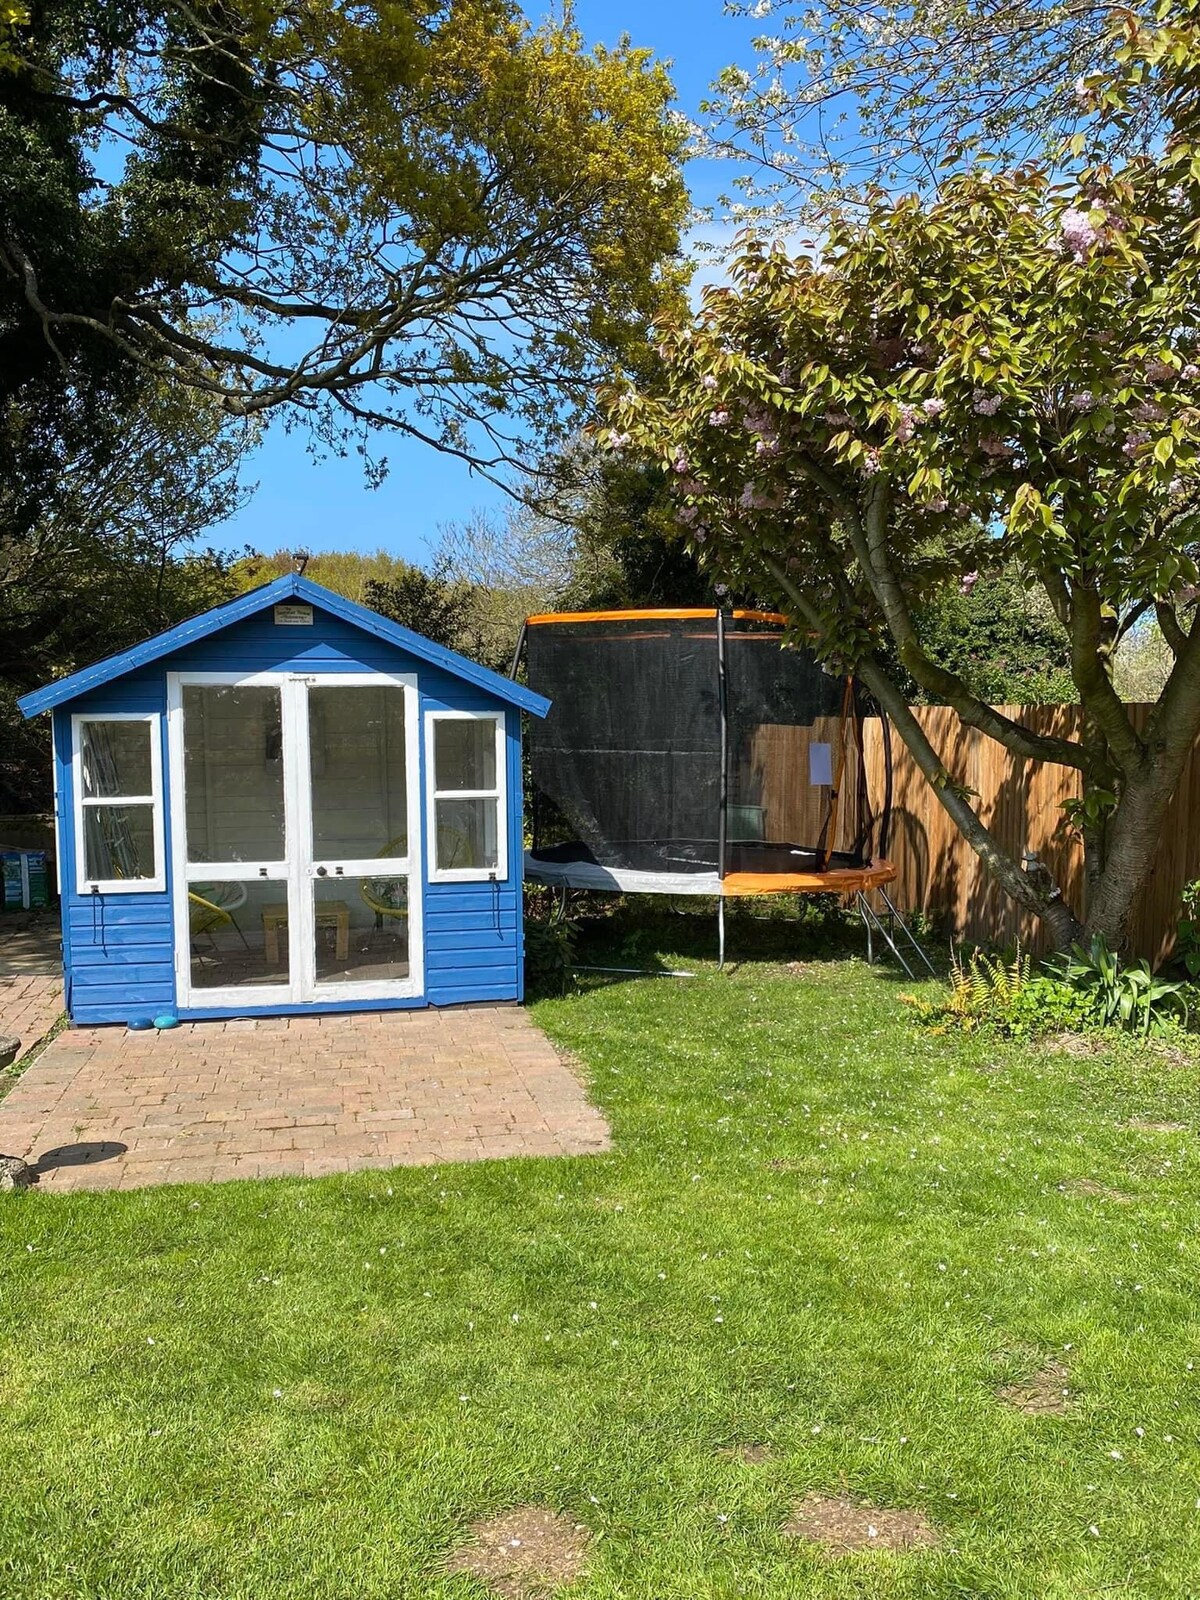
696,752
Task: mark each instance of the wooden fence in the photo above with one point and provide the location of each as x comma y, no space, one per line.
1020,801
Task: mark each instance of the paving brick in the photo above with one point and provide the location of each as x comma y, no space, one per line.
311,1097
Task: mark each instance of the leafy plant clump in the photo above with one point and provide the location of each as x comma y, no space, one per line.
989,994
1130,996
549,955
1087,988
1187,934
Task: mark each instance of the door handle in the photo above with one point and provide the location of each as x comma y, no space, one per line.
262,872
322,872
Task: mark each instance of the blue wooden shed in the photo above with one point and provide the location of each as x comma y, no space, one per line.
289,804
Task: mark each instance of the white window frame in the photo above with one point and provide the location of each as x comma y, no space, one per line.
499,793
85,885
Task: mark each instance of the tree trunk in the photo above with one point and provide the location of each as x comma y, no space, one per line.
1036,891
1130,846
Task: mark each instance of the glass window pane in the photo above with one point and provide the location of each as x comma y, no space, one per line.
238,934
233,772
359,786
116,757
118,842
464,753
467,834
361,929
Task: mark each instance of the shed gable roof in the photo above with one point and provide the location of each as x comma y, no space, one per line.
290,587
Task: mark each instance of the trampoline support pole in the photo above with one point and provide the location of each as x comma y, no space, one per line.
723,790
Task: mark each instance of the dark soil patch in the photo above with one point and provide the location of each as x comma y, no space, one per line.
782,1164
524,1554
1095,1191
1076,1044
752,1455
1046,1394
843,1527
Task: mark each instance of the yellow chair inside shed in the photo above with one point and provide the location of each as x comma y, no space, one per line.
387,897
206,912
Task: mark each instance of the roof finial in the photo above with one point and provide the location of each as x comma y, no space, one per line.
301,558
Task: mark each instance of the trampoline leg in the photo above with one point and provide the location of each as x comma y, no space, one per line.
899,922
862,911
720,933
872,919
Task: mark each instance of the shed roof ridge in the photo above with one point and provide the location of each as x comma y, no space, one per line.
291,584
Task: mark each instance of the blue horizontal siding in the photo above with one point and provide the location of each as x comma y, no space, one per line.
124,956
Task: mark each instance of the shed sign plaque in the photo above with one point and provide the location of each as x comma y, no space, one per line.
293,616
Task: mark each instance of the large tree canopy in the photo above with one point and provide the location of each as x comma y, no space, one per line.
843,92
1008,374
421,214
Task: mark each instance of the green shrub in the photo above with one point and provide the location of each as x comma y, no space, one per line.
1131,997
1089,988
988,994
549,955
1187,934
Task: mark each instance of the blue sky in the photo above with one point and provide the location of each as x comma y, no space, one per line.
323,504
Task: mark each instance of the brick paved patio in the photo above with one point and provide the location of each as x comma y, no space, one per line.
31,991
104,1108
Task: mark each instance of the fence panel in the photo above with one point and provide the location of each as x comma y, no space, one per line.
1021,802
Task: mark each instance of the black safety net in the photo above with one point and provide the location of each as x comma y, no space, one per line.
627,767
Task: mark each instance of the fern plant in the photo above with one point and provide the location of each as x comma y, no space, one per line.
983,990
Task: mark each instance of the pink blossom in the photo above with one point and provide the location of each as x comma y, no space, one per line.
718,418
1191,372
754,497
1158,370
937,505
985,404
688,514
1148,411
680,462
1083,400
968,582
708,381
933,407
766,447
1079,232
1134,442
618,441
720,588
870,464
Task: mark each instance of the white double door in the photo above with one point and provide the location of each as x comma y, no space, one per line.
295,838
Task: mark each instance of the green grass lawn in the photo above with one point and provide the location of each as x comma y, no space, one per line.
818,1229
